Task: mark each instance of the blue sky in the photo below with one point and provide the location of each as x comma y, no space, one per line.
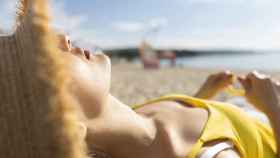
195,24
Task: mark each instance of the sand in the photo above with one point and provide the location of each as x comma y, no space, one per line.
133,85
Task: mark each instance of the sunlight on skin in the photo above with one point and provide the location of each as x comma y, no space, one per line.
90,81
90,77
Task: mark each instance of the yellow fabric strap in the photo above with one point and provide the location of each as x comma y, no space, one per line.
196,149
251,138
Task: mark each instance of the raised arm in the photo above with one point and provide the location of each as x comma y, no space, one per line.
264,93
214,84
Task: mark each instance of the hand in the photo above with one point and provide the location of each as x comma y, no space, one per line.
261,91
219,81
214,84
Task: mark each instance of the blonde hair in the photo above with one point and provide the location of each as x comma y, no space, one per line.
36,116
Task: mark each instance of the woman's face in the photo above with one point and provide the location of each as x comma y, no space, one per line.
90,77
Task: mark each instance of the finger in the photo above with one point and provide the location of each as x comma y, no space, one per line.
231,79
219,76
255,75
228,73
245,82
252,75
227,80
228,76
261,75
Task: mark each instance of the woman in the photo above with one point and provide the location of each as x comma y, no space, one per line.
161,128
39,84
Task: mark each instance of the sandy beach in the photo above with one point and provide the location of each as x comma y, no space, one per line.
133,85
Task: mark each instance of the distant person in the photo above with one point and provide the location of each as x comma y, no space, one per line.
148,56
151,59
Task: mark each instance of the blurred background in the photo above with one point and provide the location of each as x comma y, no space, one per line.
169,46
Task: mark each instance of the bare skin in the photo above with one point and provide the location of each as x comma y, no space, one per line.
214,84
154,130
264,93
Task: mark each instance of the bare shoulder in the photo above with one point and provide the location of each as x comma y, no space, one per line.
228,154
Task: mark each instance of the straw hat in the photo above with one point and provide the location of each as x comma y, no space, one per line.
36,118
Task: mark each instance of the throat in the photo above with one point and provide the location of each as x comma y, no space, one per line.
119,131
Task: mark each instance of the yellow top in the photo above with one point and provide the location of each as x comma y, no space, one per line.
251,138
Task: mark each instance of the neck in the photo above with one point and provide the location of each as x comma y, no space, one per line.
119,130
